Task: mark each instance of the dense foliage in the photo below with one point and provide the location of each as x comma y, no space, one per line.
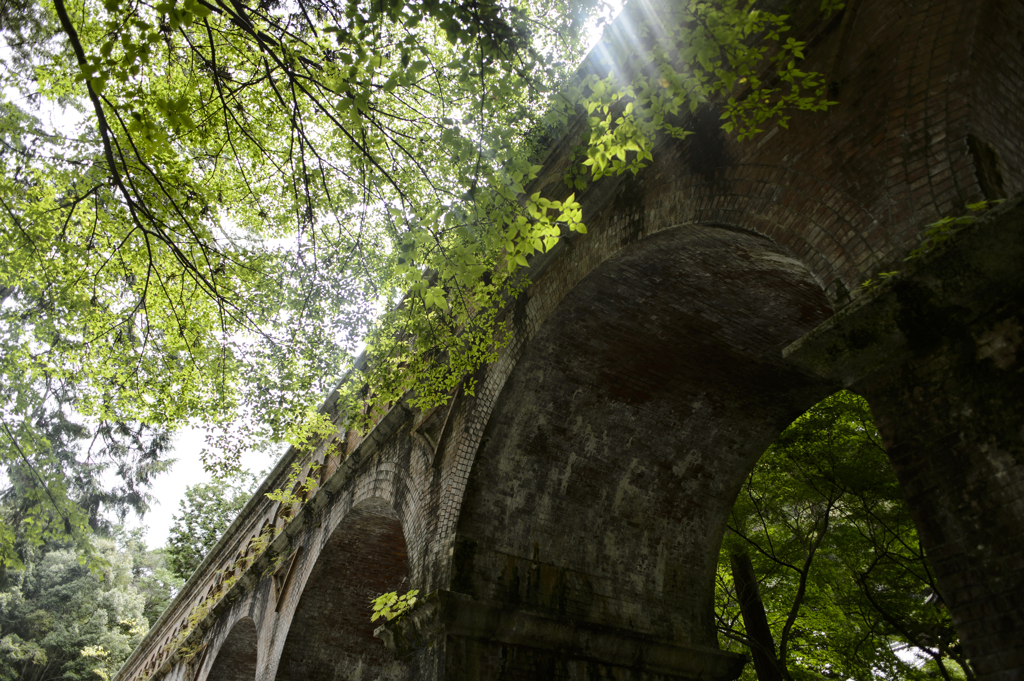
65,477
205,513
239,192
62,620
841,579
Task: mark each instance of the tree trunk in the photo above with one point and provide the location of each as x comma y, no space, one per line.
755,621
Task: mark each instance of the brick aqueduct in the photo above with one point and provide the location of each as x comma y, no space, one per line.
566,520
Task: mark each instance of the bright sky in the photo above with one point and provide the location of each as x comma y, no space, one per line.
169,489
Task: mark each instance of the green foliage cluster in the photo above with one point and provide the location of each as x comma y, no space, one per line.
204,514
64,475
840,570
943,229
936,233
298,487
729,53
391,606
61,620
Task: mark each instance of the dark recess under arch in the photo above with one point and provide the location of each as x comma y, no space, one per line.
236,659
331,635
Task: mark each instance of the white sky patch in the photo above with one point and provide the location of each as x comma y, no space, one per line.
595,27
188,470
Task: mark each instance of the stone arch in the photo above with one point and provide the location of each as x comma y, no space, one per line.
840,241
237,657
389,481
330,635
619,440
635,215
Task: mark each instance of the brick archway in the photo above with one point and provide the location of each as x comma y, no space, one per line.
622,435
331,636
236,658
927,120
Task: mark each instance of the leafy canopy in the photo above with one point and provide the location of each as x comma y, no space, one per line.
839,568
249,189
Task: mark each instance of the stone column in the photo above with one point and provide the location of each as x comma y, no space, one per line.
937,352
453,637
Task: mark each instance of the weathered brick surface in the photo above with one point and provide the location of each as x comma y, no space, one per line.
331,634
939,354
581,494
622,436
236,657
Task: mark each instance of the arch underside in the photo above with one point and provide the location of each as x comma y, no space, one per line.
619,442
236,659
330,637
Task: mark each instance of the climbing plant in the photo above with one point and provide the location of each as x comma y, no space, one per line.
392,606
936,233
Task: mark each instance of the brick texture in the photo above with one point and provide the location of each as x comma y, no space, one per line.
622,436
331,635
236,659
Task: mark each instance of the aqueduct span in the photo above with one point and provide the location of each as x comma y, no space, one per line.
567,518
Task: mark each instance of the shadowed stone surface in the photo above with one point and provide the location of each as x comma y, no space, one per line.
236,660
331,637
622,436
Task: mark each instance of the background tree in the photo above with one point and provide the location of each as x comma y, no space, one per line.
839,576
151,572
205,513
61,620
64,476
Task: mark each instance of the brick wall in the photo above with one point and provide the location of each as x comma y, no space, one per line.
624,432
331,635
236,658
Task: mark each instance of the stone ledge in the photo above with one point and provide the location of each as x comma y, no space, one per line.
932,298
446,613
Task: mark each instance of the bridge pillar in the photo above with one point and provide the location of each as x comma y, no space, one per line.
480,639
938,353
